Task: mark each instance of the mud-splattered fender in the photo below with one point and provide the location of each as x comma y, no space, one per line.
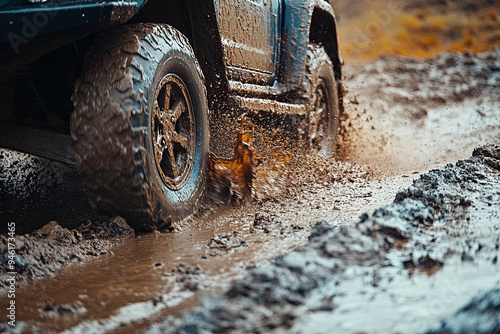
297,33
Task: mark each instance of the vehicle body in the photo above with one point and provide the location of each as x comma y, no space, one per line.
251,54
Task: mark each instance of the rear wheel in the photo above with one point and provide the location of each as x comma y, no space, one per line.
322,102
140,126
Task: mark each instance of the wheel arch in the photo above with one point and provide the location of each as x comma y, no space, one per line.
306,22
197,20
323,31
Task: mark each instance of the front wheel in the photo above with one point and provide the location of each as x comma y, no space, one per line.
320,92
140,125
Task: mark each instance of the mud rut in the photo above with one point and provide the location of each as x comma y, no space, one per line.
429,258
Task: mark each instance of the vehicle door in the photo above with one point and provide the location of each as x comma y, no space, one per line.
250,36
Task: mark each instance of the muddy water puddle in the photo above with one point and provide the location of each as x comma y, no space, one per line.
131,274
141,270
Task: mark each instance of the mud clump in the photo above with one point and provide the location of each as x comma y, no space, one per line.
191,278
268,223
54,310
51,247
480,316
226,243
108,229
35,191
426,229
264,222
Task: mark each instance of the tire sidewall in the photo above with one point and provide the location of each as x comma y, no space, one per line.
178,203
321,70
328,78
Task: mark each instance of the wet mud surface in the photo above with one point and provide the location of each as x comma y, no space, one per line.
413,114
434,232
51,247
354,244
36,191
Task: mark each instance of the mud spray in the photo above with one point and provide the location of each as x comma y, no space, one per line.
249,174
231,180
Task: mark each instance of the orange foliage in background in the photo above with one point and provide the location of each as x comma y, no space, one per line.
418,31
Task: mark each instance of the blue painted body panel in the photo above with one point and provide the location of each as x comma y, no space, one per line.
296,18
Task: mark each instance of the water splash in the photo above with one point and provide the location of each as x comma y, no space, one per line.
231,180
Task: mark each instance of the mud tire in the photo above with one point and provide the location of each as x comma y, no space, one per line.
112,125
320,92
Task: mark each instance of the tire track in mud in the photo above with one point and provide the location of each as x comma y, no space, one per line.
448,218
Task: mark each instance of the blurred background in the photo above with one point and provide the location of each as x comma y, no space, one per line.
419,28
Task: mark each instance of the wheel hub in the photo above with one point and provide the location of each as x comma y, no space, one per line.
174,132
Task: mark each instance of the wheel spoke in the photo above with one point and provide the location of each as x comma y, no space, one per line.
173,164
180,139
177,110
167,122
160,144
168,93
315,119
318,99
158,153
156,110
317,115
157,117
163,117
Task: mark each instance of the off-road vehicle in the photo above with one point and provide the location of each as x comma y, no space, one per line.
135,84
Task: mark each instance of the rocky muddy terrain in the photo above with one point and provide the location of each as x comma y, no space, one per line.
368,242
427,263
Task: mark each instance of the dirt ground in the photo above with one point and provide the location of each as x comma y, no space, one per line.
399,235
423,28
